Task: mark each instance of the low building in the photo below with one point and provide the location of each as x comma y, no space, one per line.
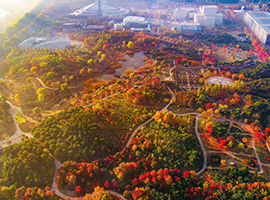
145,30
72,27
48,42
135,22
94,27
259,23
119,26
188,27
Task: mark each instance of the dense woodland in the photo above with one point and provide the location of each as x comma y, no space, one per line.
28,156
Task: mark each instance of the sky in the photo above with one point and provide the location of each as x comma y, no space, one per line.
3,13
11,6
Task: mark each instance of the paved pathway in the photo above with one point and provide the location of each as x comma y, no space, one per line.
15,138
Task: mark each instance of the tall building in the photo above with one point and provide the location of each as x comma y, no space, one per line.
183,12
208,16
100,7
259,23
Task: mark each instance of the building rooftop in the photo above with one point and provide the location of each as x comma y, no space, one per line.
267,29
200,15
101,27
185,8
49,42
256,15
71,24
262,19
135,19
191,24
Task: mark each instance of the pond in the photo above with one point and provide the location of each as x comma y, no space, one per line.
132,63
220,80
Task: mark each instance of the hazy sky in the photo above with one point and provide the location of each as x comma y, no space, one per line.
2,13
12,5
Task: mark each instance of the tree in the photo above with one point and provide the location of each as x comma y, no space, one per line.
241,76
234,76
130,45
41,91
41,98
89,71
50,75
223,109
98,194
64,87
90,62
201,80
36,110
17,97
228,74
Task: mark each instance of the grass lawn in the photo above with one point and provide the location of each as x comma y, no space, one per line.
181,110
27,126
240,128
239,160
212,163
236,129
266,172
224,56
263,153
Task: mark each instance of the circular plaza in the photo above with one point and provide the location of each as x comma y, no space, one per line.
220,80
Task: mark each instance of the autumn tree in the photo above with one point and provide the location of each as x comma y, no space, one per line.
130,45
36,110
17,97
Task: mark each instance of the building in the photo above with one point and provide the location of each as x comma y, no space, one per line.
94,27
135,22
259,23
208,16
49,42
99,8
145,30
72,27
119,26
188,27
183,13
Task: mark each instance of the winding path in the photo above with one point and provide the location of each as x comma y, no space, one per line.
15,138
16,110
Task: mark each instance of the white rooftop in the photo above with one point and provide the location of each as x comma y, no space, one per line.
49,42
134,19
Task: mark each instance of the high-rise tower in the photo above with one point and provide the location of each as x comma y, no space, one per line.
99,11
